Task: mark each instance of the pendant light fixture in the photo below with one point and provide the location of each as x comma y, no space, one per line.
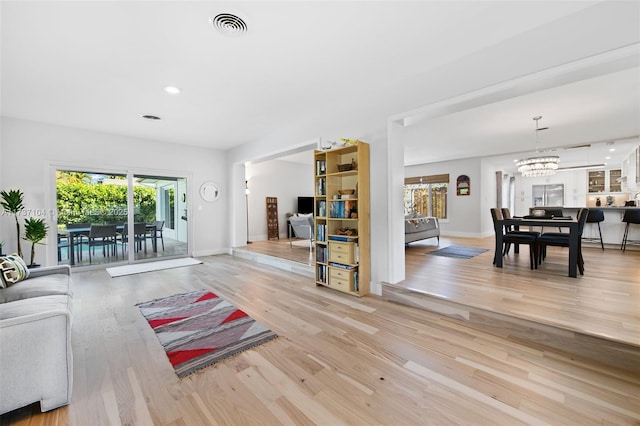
539,165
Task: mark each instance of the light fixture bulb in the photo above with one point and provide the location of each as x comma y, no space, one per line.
173,90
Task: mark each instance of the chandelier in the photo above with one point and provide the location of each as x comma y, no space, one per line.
538,165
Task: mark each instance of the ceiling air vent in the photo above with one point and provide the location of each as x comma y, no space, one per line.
229,25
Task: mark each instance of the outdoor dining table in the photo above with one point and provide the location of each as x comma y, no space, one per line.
73,233
571,224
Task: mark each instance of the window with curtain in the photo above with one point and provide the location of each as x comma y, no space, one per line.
426,195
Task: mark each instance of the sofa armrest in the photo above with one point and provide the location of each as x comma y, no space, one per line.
48,270
37,360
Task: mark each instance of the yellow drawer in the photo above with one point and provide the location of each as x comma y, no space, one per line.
341,252
341,279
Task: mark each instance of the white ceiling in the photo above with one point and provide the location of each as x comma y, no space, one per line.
316,68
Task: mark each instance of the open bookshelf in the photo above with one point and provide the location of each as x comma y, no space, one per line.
342,219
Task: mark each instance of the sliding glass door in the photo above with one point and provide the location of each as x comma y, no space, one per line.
160,203
97,226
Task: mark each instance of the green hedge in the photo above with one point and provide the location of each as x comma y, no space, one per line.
82,202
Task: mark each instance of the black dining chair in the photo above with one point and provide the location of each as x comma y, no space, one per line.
631,216
506,214
103,236
79,239
561,239
514,237
139,237
156,232
553,213
595,216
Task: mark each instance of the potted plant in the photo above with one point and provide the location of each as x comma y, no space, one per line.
11,202
35,230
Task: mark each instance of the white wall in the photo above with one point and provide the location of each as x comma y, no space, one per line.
29,148
276,178
464,213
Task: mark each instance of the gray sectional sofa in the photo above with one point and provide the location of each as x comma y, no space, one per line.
420,227
36,363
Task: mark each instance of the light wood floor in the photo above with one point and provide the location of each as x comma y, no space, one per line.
605,302
338,360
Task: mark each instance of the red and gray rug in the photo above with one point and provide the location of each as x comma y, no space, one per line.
198,329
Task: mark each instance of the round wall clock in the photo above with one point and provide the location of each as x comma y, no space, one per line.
209,191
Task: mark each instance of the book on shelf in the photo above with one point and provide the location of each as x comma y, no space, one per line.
342,266
341,209
321,186
321,167
322,273
322,208
344,238
321,254
321,232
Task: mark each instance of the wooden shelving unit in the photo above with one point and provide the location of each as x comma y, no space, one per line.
342,221
273,231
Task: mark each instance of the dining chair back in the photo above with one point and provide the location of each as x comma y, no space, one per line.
553,213
562,239
79,239
139,236
506,214
156,232
513,237
102,236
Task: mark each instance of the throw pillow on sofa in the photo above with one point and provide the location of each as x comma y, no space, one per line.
12,270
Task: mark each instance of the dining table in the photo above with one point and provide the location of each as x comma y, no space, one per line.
73,233
563,222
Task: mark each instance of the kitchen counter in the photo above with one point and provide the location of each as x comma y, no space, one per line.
612,227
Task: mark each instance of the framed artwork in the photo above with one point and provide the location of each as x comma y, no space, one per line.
463,185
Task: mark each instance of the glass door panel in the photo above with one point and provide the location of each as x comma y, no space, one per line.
91,204
160,226
92,209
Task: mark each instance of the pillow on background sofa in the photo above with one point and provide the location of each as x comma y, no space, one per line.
12,270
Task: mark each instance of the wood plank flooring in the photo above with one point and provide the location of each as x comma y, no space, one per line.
605,302
338,360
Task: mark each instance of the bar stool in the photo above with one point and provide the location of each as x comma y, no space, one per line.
595,216
631,216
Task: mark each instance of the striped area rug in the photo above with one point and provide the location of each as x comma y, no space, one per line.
198,329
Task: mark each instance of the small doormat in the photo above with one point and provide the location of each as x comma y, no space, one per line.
198,329
138,268
458,252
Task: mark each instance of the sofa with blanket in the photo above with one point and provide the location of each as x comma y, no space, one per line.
36,363
420,227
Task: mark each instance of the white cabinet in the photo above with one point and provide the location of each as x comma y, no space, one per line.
631,171
604,181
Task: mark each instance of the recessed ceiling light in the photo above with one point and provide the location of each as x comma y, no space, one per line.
612,149
151,117
607,158
229,24
173,90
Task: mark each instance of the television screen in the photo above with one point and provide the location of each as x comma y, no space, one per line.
305,205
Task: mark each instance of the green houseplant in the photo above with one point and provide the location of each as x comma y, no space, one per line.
12,202
35,230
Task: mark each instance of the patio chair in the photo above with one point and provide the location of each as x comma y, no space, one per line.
103,236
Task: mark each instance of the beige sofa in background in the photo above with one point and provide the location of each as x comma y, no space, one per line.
419,227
